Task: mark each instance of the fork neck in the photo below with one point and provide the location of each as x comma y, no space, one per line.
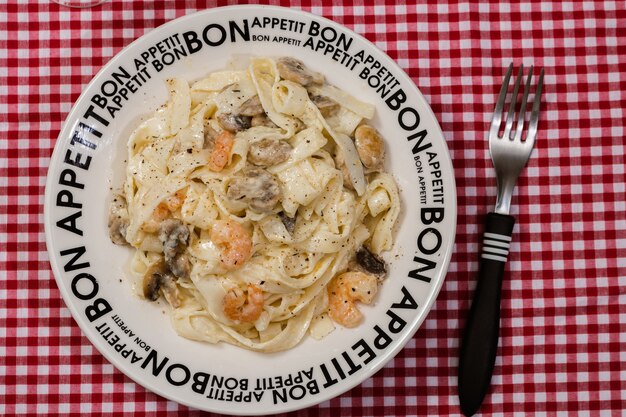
505,192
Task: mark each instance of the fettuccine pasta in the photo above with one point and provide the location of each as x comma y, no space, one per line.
257,205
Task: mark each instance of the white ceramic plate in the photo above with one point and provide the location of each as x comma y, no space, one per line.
136,335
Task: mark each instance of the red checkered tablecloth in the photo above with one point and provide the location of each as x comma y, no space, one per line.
563,337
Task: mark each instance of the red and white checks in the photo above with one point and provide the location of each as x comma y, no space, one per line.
563,336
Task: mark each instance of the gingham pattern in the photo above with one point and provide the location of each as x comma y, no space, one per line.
563,339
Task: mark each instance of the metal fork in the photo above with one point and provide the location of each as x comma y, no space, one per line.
509,154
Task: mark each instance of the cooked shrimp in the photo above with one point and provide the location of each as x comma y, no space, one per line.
160,213
244,306
174,202
221,151
163,211
234,241
344,290
370,146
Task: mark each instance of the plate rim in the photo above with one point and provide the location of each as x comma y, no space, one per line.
347,384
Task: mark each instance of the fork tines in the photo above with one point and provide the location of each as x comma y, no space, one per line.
510,119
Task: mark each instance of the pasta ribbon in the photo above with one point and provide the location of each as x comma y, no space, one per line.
244,250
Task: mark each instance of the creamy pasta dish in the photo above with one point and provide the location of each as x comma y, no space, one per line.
258,206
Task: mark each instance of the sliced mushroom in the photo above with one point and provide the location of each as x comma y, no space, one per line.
256,187
326,106
294,70
370,147
118,220
234,122
158,280
288,222
370,263
262,120
251,107
174,236
152,280
268,152
180,265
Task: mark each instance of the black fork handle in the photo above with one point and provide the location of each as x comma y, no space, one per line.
480,339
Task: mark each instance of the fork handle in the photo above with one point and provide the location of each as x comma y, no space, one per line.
480,339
